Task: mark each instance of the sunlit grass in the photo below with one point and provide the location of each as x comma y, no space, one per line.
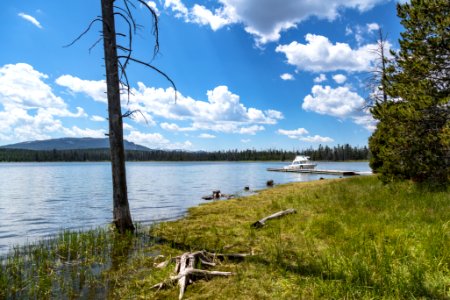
350,238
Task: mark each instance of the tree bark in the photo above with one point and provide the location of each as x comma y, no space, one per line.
121,209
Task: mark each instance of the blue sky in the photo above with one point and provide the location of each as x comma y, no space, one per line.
285,74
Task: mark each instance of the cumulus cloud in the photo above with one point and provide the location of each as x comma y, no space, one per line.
265,19
299,134
293,134
96,118
339,78
316,139
339,102
287,76
321,55
155,141
152,4
251,130
320,78
206,136
175,127
96,89
75,131
372,27
30,109
222,112
30,19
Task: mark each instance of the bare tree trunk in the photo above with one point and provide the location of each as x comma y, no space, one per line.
121,209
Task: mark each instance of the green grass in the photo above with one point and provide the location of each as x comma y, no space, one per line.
353,238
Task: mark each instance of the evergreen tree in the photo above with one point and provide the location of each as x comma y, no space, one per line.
412,139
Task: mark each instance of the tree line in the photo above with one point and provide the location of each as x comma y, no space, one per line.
336,153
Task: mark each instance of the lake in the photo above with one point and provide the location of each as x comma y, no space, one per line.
40,199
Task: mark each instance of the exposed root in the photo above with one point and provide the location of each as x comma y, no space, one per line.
185,270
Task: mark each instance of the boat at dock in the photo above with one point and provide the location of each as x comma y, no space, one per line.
301,163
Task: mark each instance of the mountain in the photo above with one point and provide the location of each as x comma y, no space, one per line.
71,144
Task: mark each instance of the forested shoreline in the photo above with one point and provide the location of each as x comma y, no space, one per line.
336,153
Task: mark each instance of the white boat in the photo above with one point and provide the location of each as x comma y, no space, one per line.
301,163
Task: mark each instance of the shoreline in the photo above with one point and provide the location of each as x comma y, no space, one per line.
325,250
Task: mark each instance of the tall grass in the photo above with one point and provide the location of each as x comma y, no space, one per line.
350,239
353,238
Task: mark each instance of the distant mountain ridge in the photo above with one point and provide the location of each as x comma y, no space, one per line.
72,144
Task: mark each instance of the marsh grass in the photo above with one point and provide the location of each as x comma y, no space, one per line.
70,265
353,238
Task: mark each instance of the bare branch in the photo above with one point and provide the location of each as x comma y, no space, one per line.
155,27
155,69
98,19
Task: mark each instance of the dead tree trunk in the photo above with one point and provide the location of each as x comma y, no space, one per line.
121,209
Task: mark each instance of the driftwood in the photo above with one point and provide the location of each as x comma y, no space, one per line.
186,272
279,214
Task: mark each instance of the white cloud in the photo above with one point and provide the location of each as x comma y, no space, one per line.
320,55
339,78
339,102
75,131
96,89
127,126
266,19
372,27
155,140
152,5
216,20
316,139
30,19
30,109
96,118
222,112
206,136
320,78
176,6
299,134
293,134
175,127
287,76
246,141
251,130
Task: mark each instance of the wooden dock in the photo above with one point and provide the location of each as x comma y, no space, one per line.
315,171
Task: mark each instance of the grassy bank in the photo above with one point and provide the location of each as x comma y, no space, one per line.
351,238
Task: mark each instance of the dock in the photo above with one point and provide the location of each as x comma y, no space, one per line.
314,171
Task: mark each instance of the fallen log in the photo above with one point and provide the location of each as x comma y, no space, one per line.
186,272
279,214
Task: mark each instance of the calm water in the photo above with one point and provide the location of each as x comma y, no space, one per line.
39,199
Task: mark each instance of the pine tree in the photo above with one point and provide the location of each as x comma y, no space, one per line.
412,139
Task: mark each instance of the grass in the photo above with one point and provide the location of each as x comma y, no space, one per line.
351,238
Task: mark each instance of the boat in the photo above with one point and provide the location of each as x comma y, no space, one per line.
301,163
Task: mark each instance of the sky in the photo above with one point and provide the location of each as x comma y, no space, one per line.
250,74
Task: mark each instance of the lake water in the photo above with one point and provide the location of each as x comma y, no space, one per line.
40,199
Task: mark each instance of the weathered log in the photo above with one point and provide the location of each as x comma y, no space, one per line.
279,214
